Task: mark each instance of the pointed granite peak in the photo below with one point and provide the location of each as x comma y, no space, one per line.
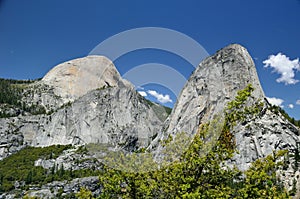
237,64
213,84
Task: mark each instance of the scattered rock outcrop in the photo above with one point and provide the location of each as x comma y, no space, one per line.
60,189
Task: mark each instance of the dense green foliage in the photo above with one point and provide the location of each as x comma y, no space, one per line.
237,110
196,175
20,167
11,92
84,194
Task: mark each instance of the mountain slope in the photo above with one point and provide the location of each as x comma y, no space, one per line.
213,84
85,101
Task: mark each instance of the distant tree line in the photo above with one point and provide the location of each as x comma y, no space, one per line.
277,110
11,92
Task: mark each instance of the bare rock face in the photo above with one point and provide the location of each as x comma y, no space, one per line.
212,85
116,116
73,79
90,103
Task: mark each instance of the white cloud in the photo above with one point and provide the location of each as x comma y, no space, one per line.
283,66
140,88
142,93
291,106
275,101
298,102
160,97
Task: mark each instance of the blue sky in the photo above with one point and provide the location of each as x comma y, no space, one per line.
37,35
